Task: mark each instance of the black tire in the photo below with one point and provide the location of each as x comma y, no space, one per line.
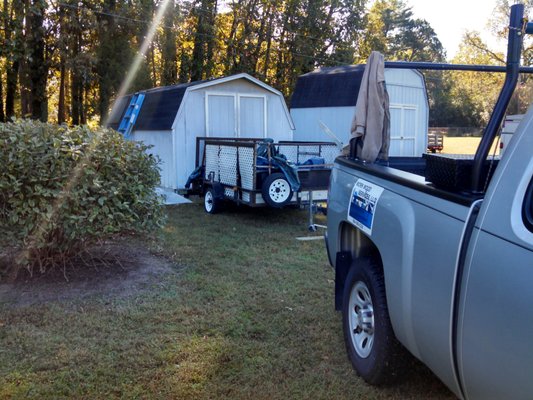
372,347
212,204
276,190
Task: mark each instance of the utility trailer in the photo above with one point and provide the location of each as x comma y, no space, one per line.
435,142
259,172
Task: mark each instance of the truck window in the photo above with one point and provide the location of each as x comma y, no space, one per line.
527,207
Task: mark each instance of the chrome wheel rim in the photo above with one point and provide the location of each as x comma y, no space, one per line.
279,190
361,319
208,201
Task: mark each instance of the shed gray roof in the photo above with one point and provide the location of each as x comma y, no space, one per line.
159,107
328,87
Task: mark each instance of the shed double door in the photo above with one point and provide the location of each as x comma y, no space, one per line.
235,115
403,130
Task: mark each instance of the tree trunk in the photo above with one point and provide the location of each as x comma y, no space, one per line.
198,50
23,70
63,35
229,63
209,61
185,64
25,90
268,46
76,77
261,38
11,88
106,28
204,40
13,26
84,96
61,103
75,98
4,52
169,75
2,115
76,86
37,67
152,59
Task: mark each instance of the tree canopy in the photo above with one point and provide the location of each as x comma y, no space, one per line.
65,60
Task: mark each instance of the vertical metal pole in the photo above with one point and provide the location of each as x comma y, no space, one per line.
269,155
514,48
311,216
197,161
254,167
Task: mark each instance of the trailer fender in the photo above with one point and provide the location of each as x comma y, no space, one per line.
218,190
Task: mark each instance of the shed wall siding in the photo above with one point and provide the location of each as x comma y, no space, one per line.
403,77
191,123
337,119
278,124
162,142
406,89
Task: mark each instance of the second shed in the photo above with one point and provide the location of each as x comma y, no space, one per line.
329,95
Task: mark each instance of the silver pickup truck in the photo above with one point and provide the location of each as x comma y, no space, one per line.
443,272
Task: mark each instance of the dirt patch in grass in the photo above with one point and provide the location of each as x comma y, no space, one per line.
119,268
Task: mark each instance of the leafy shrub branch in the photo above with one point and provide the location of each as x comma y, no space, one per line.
63,189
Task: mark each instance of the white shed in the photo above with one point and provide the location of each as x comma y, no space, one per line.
329,95
172,117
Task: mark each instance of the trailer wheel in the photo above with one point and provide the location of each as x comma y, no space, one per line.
372,347
211,203
276,190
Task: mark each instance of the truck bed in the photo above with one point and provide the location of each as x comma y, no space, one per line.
409,172
413,165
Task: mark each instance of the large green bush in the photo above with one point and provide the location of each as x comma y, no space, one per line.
63,189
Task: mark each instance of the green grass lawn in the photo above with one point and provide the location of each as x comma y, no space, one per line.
246,313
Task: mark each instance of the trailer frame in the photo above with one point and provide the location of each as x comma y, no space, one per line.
231,171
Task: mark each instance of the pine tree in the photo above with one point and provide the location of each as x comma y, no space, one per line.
169,75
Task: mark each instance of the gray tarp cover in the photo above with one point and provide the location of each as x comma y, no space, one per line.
371,122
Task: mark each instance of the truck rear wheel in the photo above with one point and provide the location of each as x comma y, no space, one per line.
372,347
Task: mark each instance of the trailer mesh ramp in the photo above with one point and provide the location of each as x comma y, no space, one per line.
221,164
246,168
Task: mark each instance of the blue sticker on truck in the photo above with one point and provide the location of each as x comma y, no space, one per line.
363,201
